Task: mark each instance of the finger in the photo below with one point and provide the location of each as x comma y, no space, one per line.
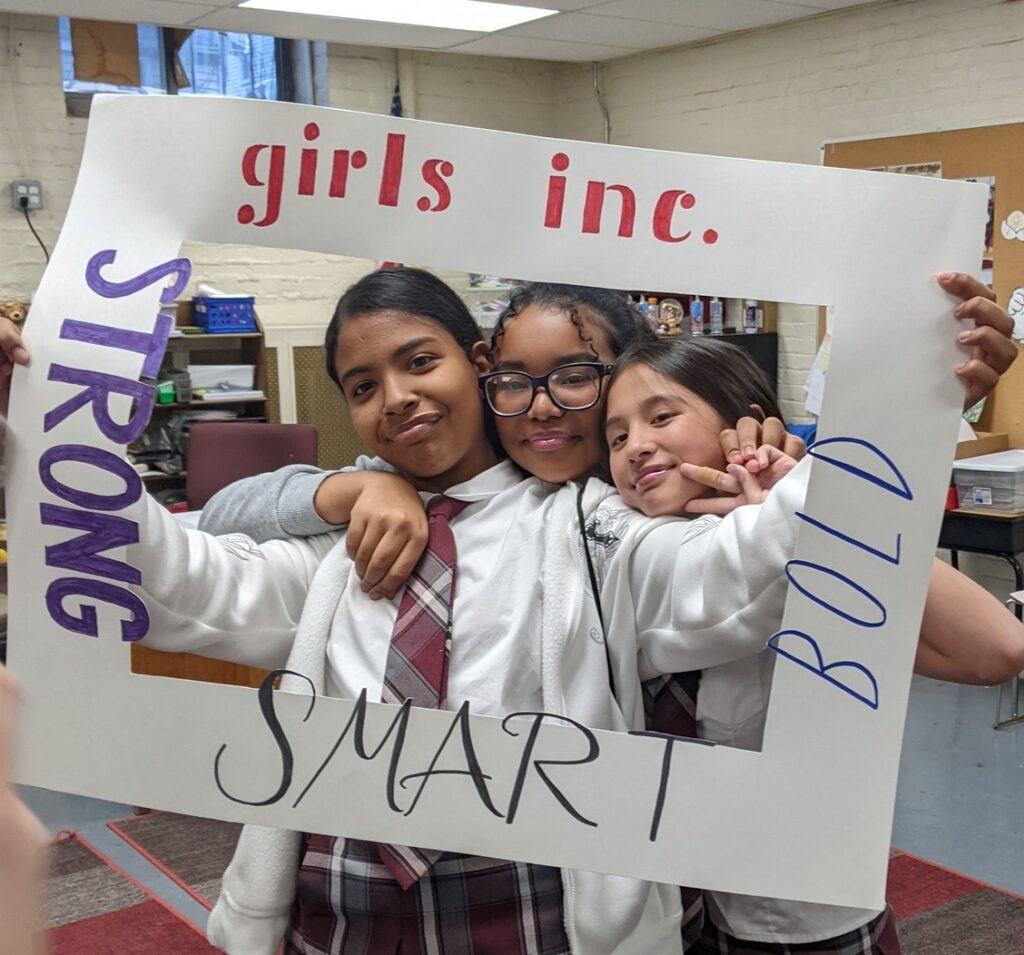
354,535
401,569
795,447
964,286
730,445
11,343
8,705
367,545
984,311
379,563
748,430
990,346
712,505
773,433
979,380
709,477
749,487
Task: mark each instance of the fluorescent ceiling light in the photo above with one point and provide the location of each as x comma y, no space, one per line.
474,15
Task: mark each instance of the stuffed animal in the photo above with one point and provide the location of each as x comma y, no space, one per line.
15,311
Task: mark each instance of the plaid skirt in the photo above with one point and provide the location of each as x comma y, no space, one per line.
878,937
348,903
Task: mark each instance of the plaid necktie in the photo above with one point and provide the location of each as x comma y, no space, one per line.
417,667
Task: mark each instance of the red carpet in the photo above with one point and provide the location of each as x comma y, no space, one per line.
194,852
93,908
941,912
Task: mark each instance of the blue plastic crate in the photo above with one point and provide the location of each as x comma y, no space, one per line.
224,315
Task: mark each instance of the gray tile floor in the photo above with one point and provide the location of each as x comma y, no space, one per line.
960,801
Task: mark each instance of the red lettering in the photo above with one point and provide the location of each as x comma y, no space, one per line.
556,192
391,174
664,210
594,205
339,170
274,182
434,173
307,164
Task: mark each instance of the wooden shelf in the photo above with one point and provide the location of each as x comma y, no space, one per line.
208,402
206,337
162,476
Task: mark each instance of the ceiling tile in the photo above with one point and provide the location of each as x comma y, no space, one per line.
721,15
612,31
162,12
560,50
552,4
820,5
333,30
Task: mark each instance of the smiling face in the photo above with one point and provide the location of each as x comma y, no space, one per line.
653,426
413,395
550,443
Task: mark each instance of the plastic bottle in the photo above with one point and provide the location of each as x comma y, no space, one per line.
696,316
750,316
715,315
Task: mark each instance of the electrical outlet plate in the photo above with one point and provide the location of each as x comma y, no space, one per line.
30,189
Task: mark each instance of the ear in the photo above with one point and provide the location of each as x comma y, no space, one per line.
758,412
479,357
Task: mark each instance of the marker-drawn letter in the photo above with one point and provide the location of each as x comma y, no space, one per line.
538,764
819,668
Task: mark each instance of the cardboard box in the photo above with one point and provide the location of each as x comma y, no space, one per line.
985,442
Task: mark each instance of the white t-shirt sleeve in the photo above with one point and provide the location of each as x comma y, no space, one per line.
712,590
224,597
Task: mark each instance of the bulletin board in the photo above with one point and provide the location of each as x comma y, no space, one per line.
978,152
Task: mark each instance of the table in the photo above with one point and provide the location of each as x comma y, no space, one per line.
1000,535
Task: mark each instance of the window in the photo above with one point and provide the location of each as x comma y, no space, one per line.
216,63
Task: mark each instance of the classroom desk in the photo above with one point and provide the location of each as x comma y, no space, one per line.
1000,535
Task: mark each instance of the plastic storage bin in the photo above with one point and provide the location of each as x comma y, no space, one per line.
225,314
994,481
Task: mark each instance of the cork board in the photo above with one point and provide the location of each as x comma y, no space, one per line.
966,153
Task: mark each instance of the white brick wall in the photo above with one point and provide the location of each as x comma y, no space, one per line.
775,94
37,141
899,67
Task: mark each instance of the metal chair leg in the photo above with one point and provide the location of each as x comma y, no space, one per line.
1014,683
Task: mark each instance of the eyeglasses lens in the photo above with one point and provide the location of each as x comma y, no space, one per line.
573,387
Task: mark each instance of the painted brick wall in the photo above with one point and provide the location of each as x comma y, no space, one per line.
38,140
773,94
906,66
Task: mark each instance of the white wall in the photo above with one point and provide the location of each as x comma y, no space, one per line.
38,140
897,67
777,94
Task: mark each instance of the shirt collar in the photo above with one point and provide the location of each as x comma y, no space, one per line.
487,484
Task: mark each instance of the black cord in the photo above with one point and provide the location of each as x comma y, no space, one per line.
24,209
594,587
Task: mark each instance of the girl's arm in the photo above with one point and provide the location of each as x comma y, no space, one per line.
386,522
223,597
708,591
967,635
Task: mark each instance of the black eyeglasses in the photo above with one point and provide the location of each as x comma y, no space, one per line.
574,387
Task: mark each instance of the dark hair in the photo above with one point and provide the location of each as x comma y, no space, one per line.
609,310
403,290
418,293
724,375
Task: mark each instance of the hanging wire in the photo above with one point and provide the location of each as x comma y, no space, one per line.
36,234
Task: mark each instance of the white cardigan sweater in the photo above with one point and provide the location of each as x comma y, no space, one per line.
649,570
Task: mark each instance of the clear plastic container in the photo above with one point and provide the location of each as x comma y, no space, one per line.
991,481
